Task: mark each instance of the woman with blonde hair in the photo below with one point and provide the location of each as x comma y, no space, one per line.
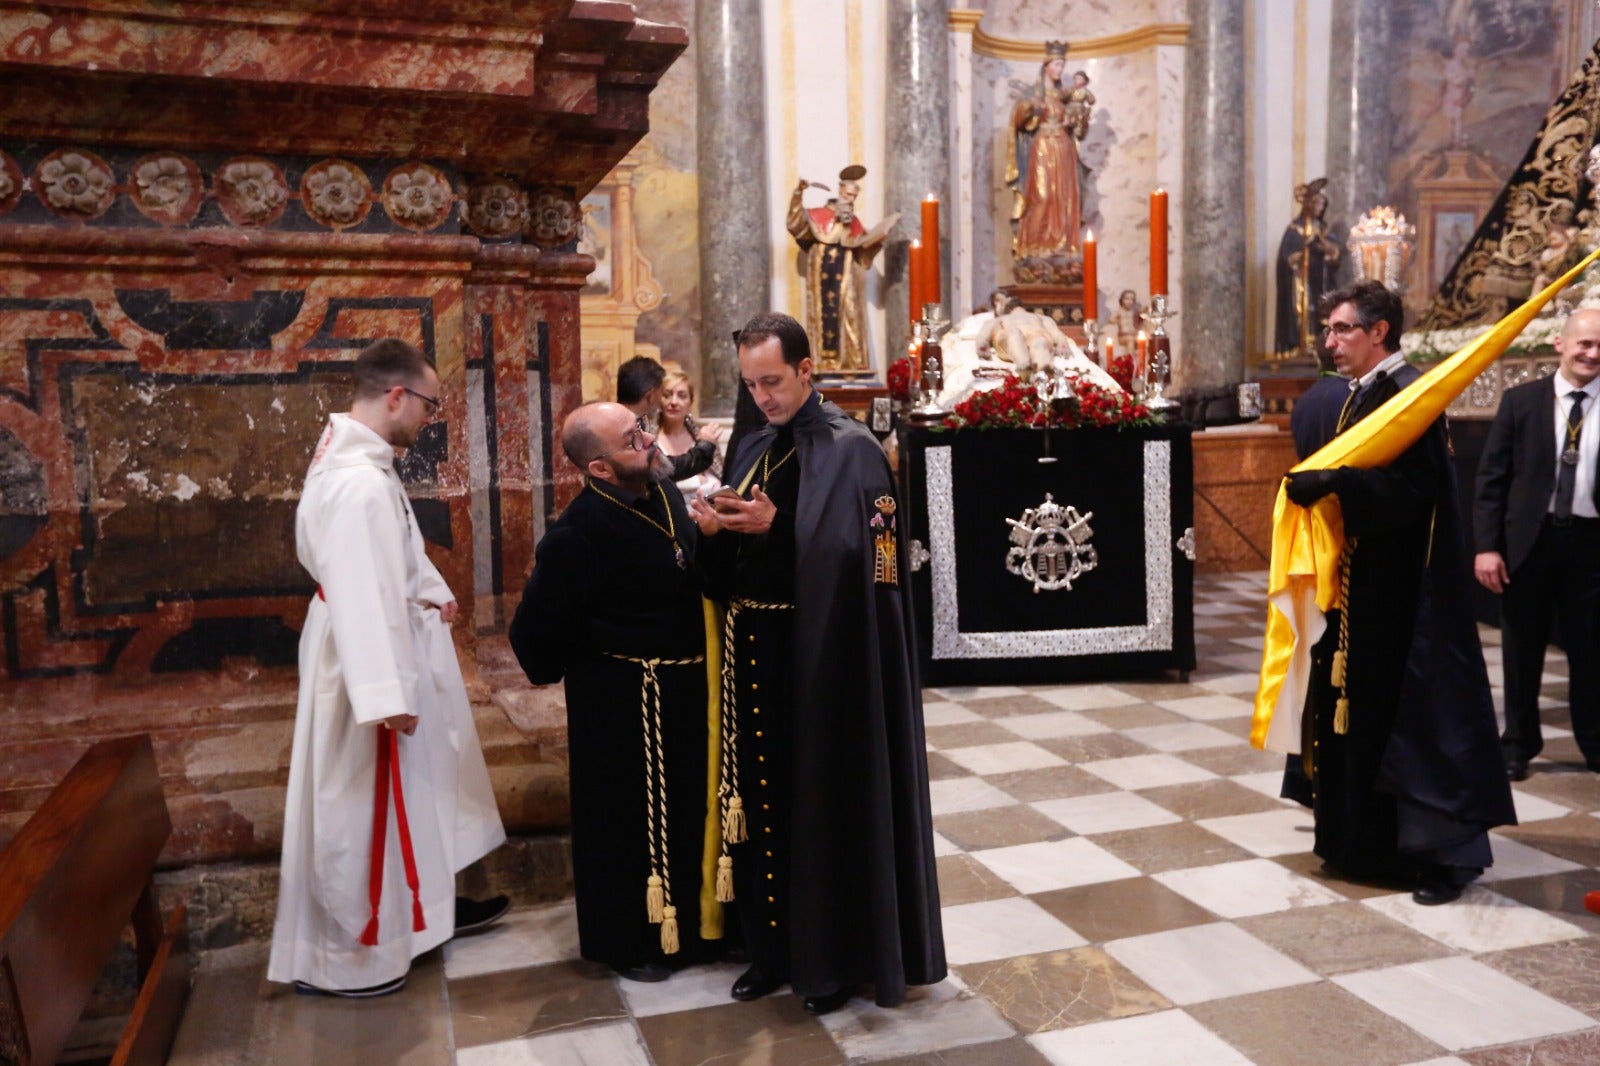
680,435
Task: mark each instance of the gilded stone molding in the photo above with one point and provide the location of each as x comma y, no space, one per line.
987,44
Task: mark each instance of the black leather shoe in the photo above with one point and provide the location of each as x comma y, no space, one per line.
829,1003
645,972
1516,769
753,984
1432,892
473,915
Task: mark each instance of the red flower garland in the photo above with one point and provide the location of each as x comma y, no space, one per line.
1015,405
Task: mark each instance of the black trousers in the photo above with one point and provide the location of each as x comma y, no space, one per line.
1560,579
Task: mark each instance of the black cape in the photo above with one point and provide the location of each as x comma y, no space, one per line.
864,884
1419,777
606,583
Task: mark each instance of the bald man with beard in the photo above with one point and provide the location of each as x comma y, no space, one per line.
1537,527
613,608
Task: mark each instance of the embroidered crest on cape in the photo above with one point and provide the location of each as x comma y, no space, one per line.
885,555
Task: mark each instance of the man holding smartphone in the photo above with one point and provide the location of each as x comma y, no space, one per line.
825,783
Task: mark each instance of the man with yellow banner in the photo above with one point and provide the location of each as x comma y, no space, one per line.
1368,613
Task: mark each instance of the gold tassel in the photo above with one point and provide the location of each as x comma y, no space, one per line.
669,931
1341,716
724,879
734,831
1338,668
654,898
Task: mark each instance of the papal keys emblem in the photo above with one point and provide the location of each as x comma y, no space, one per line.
1050,546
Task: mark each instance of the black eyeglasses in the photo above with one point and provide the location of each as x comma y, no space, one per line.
1341,329
432,402
634,441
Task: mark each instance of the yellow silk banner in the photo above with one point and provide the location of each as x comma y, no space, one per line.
1307,541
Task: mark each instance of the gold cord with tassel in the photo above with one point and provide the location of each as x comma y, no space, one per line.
1339,675
735,829
658,886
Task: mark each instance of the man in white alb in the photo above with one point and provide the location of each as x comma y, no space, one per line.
388,792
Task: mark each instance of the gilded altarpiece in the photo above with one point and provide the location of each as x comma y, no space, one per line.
622,286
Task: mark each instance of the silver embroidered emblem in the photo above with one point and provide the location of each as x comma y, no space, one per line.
1050,546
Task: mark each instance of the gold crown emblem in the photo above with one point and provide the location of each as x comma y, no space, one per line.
885,504
1055,49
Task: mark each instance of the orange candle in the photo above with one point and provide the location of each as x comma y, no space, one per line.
1091,277
1111,351
916,280
930,250
1141,347
1158,242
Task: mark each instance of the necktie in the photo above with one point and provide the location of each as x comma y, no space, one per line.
1567,471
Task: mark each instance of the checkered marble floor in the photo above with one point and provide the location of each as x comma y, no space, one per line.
1121,884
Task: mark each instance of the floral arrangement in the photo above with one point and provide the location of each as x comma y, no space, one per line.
900,379
1121,371
1015,405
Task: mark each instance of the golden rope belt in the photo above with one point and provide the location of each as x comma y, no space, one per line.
658,887
733,819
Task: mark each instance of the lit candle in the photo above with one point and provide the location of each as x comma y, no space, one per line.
1091,277
1141,345
930,250
1158,242
1111,351
916,280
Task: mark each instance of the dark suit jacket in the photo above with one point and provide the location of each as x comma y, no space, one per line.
1517,473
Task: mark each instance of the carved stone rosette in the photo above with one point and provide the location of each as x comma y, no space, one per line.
496,209
336,194
417,196
75,184
251,191
167,187
11,181
554,218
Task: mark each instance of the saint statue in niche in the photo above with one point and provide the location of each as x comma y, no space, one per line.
1308,262
837,249
1044,168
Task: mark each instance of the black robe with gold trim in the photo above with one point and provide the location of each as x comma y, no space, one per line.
864,898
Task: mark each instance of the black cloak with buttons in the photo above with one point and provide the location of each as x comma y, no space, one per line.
865,906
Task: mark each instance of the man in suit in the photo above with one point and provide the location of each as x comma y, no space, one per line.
1538,525
1400,741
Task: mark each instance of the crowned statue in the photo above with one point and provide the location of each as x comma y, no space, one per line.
837,249
1045,170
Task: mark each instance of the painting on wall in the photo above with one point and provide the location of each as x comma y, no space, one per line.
1472,80
594,238
1452,227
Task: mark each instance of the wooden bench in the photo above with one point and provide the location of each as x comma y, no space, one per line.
71,881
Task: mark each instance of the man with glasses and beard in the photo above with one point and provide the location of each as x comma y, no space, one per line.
614,608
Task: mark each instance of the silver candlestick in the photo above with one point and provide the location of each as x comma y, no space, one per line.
1158,360
933,325
1091,333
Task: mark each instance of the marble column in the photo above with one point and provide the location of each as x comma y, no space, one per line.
1361,122
918,157
1212,319
735,272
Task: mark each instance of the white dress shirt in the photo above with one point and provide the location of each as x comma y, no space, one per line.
1588,443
